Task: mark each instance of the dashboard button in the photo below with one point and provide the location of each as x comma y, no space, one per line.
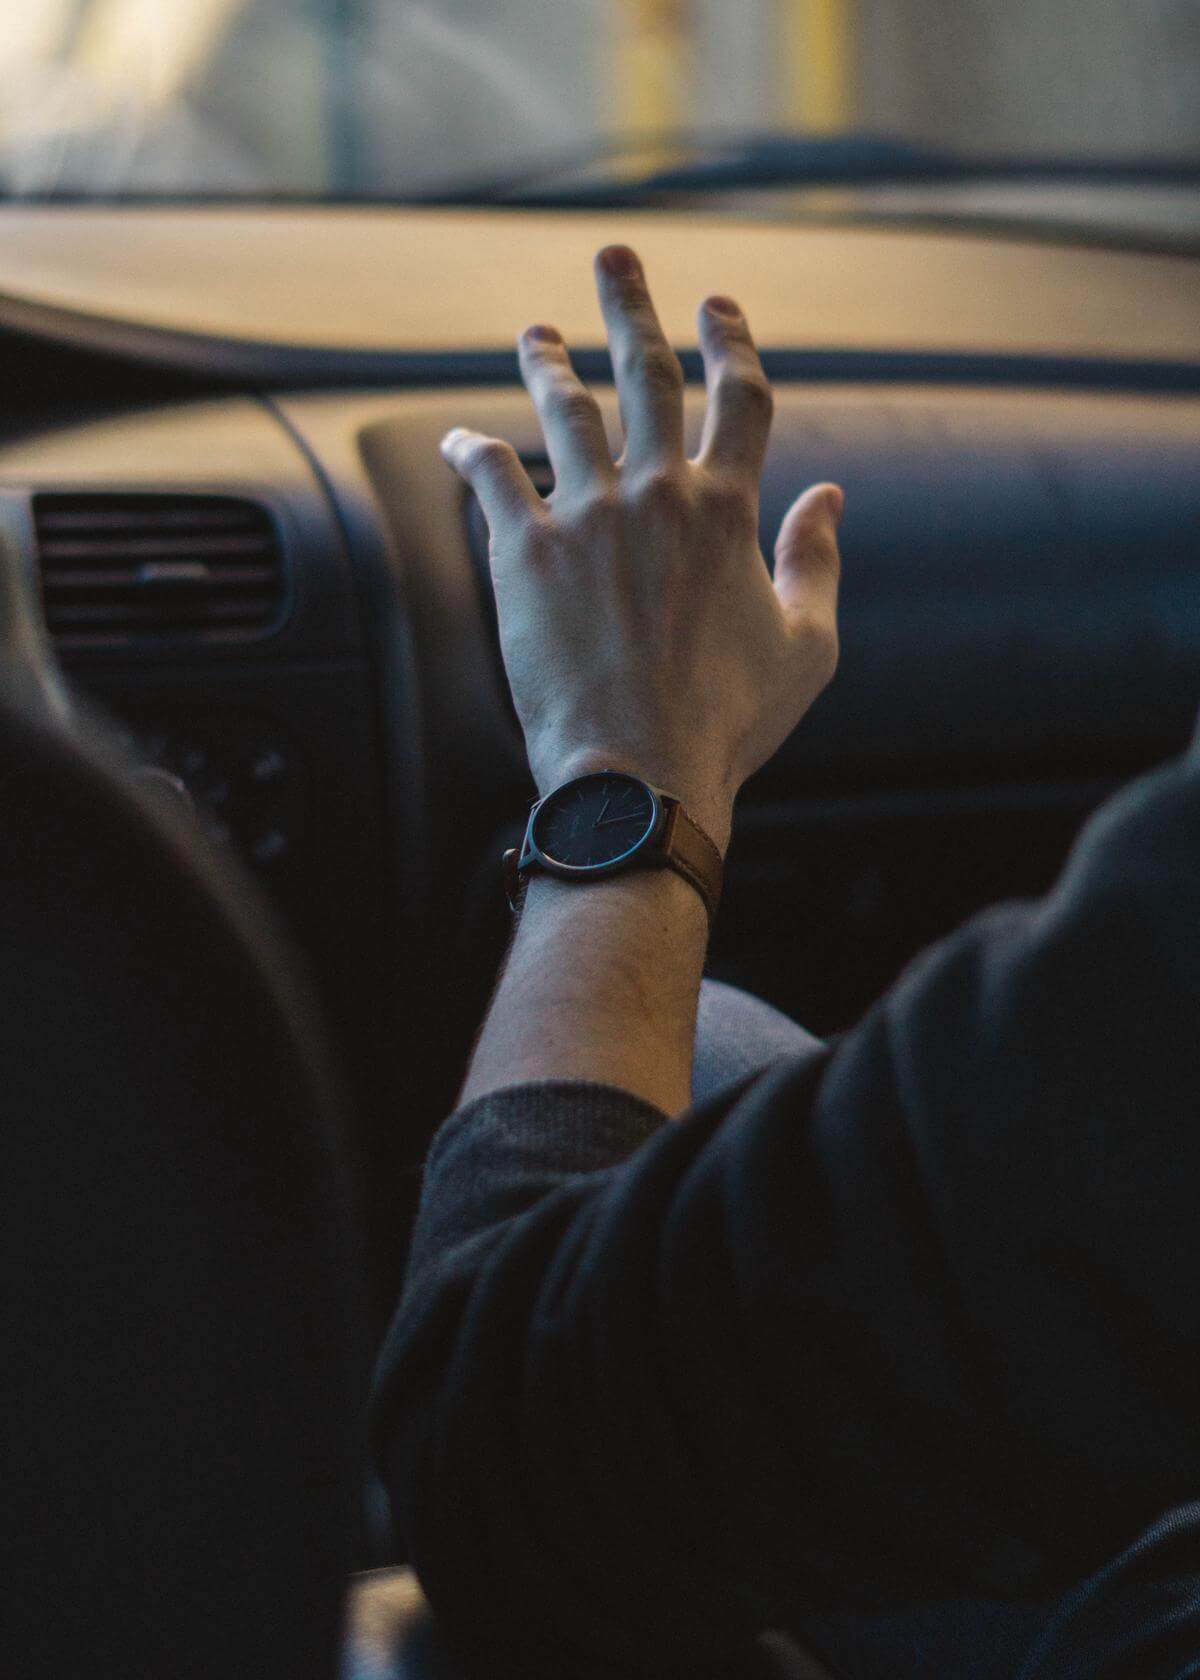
268,767
269,847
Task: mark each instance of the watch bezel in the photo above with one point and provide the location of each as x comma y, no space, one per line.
532,853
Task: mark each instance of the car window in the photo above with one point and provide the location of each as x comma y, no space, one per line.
402,98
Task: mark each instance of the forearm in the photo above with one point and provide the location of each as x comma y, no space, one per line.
601,985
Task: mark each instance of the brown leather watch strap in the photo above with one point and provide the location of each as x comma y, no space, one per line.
685,848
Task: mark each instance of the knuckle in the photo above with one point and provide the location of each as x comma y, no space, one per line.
729,501
488,452
750,390
654,366
663,492
572,403
593,515
662,371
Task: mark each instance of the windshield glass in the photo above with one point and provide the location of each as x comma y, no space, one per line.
404,98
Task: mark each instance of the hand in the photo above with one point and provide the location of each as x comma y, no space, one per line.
640,627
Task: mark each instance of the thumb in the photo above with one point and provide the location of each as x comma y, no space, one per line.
807,563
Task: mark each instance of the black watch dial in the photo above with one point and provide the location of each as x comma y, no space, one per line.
595,820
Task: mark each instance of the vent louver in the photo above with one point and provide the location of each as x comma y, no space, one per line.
131,571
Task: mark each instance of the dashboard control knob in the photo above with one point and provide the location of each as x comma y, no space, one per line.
269,847
268,767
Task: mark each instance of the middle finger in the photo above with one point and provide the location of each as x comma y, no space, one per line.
648,376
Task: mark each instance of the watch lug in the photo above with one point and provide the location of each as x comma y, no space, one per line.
525,851
511,866
670,809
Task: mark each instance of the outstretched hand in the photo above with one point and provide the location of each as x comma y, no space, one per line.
640,629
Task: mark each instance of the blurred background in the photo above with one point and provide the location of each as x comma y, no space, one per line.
402,98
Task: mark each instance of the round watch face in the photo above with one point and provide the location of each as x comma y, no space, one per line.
595,821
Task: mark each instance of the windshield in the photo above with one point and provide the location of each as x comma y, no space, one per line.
415,98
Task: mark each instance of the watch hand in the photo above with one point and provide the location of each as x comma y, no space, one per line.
606,822
603,808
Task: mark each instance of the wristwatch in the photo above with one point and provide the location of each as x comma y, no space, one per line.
607,822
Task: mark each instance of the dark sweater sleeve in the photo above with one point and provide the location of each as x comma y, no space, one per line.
915,1318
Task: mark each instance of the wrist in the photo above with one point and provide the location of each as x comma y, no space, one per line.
600,985
657,893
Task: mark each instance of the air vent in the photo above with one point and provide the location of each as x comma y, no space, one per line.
141,571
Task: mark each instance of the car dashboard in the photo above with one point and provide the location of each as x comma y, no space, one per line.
255,563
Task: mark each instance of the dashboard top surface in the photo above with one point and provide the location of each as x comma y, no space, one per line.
449,281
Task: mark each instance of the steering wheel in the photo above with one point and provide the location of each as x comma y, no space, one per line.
27,657
30,667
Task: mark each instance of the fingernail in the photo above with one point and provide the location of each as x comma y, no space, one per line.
721,306
619,261
450,438
541,334
837,502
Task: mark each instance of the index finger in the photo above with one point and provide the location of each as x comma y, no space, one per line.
648,375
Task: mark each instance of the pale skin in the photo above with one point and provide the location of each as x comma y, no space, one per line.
642,632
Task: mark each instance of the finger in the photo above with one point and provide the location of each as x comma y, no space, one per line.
737,422
570,415
648,375
493,470
807,562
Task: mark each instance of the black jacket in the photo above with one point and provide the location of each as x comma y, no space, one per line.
916,1318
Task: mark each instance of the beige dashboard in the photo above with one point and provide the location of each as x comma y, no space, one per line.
438,280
